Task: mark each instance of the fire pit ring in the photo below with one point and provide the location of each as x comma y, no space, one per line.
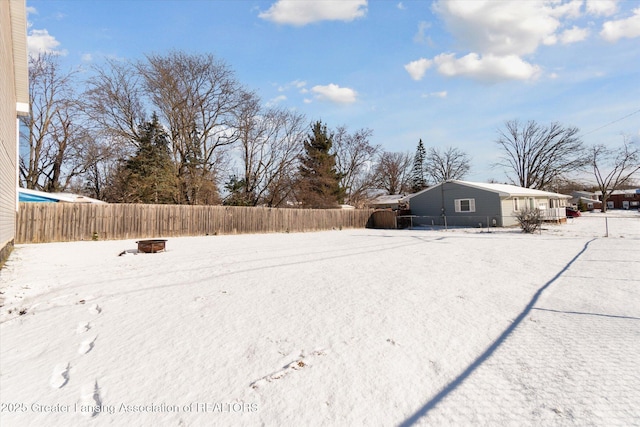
151,246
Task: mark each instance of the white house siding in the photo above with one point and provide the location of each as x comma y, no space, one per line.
508,211
553,209
13,101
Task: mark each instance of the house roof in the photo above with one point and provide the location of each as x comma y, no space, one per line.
620,192
504,190
26,195
588,200
387,199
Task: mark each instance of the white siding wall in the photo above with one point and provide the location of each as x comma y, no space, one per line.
508,214
12,16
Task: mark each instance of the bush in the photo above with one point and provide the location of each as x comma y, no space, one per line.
529,220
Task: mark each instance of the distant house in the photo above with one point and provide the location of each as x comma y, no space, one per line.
585,199
622,199
463,203
26,195
14,102
387,201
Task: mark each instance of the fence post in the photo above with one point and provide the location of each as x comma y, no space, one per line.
606,226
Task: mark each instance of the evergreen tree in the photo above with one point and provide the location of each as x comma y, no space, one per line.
418,180
319,183
238,195
149,175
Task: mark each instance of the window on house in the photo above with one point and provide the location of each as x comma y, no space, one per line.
465,205
532,203
516,203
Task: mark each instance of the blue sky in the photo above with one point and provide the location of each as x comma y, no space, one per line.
447,72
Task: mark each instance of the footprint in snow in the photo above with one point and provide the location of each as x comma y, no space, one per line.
86,345
301,362
59,376
83,327
91,398
95,309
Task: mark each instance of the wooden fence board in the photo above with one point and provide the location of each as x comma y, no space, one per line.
63,222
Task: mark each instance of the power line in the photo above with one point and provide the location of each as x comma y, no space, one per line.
610,123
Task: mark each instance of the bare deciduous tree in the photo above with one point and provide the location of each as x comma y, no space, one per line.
114,101
52,148
102,165
270,145
198,97
354,161
447,164
393,172
613,168
535,155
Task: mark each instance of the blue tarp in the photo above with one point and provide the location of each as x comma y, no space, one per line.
23,197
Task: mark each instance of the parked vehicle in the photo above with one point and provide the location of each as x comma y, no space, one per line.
573,213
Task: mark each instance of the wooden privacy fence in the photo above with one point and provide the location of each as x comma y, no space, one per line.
383,219
63,222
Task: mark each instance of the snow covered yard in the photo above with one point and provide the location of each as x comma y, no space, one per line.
350,327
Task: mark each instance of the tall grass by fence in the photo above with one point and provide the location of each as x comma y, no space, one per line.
62,222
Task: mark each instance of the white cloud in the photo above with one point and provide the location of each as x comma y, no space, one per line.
303,12
441,94
630,28
40,41
488,68
500,27
421,36
335,93
296,84
571,9
602,7
401,6
574,35
498,35
87,57
277,100
418,68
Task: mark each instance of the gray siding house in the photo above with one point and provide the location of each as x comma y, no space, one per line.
473,204
14,101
